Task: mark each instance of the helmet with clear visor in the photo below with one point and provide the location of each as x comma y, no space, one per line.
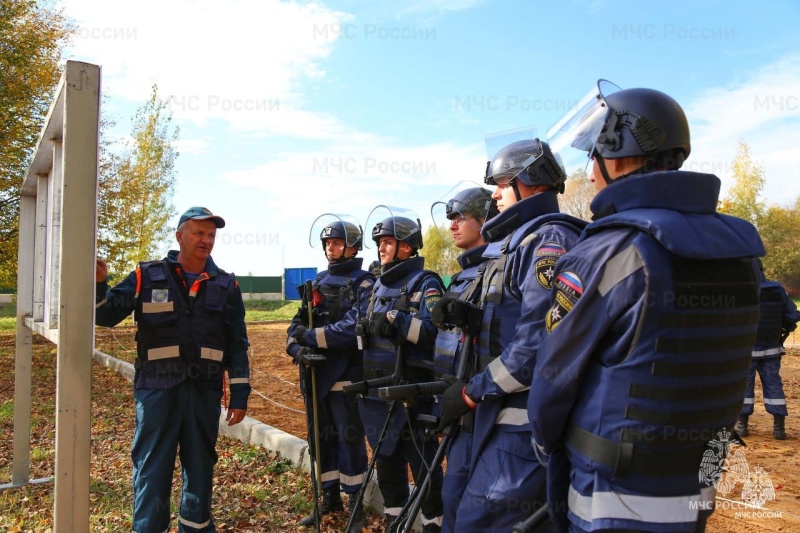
519,155
335,226
401,224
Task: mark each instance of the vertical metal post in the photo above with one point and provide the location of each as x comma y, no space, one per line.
76,287
24,349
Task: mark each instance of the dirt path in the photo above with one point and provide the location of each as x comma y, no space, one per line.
276,401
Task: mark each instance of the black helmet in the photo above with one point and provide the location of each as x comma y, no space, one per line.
643,122
476,202
347,231
401,228
530,161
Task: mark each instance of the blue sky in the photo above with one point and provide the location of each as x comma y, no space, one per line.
289,110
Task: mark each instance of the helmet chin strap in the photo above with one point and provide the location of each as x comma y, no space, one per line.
516,189
603,170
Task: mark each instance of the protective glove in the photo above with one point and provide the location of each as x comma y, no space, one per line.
381,327
454,402
299,335
308,357
449,312
302,313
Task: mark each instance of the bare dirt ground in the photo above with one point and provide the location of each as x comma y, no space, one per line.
276,401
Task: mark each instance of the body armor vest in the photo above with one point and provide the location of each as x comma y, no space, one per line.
181,332
398,288
770,325
465,286
502,307
339,289
682,383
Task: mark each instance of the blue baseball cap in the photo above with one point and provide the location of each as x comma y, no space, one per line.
201,213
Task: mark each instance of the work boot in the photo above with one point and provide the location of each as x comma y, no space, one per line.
331,502
778,429
431,528
358,522
741,426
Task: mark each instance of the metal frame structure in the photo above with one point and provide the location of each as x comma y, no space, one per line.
55,286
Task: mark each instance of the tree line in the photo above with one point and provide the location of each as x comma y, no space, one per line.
135,176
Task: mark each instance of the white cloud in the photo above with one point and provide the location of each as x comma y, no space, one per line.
763,109
439,6
243,63
192,146
356,176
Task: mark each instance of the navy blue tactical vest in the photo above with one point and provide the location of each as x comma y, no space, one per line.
339,286
770,324
398,288
502,302
464,287
646,421
181,331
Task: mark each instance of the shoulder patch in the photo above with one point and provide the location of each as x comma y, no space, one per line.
550,249
432,292
569,289
431,297
545,269
366,284
547,255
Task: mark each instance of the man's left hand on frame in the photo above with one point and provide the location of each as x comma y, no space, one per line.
235,416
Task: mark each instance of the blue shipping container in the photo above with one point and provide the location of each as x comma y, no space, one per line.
294,277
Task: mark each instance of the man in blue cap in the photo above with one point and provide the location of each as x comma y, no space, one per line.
190,320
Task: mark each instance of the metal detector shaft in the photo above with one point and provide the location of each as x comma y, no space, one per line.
533,522
396,378
416,506
315,470
359,496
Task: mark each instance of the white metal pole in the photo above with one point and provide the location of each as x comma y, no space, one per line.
24,349
76,297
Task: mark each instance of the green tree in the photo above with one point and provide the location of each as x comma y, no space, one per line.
440,252
578,195
32,36
136,189
779,229
743,199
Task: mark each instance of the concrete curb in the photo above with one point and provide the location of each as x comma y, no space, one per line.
257,433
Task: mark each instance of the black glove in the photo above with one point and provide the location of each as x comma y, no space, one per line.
299,335
453,404
298,355
381,327
302,314
308,357
454,312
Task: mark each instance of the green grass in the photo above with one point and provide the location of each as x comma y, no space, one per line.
8,317
7,411
258,310
255,311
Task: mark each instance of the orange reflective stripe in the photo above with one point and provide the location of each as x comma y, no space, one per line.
180,275
138,282
196,285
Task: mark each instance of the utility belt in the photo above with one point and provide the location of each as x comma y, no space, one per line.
627,458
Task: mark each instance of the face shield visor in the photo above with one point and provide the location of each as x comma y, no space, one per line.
389,221
574,135
466,206
507,162
335,226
